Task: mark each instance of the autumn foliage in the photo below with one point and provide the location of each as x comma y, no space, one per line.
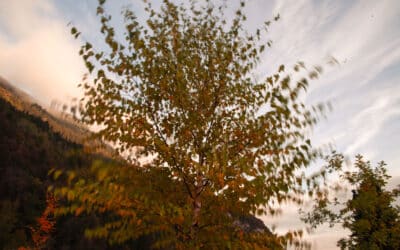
41,232
205,140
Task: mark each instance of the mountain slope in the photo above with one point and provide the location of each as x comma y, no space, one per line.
29,148
23,102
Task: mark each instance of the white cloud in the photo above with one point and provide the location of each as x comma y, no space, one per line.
369,122
22,17
37,53
363,36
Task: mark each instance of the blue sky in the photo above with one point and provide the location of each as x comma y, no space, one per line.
38,55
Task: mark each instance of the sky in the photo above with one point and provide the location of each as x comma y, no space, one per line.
38,55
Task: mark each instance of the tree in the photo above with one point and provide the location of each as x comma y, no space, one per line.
206,141
370,214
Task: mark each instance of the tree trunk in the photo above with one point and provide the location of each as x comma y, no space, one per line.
196,212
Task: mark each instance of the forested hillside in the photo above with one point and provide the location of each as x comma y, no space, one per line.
28,150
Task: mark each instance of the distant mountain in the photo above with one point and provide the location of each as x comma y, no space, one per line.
59,122
14,96
23,102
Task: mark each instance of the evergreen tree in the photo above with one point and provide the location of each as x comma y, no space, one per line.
370,214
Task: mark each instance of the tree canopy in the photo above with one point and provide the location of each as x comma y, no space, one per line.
206,141
370,214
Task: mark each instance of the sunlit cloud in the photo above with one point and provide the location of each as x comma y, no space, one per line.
37,52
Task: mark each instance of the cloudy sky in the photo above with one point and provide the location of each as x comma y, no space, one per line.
38,54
